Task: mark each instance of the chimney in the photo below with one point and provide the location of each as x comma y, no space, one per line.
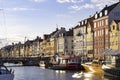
106,6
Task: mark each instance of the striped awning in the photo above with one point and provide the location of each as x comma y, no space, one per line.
113,52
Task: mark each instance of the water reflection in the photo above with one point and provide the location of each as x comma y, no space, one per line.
37,73
89,76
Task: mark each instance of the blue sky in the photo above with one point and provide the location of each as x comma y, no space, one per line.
31,18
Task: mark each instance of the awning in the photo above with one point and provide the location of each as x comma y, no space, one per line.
112,52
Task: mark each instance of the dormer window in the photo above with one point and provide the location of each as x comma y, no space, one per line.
96,16
100,14
79,24
106,12
82,22
85,21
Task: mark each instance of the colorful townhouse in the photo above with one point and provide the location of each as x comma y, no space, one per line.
65,42
90,39
102,22
83,38
114,35
79,43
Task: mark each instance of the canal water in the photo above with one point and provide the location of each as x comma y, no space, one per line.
37,73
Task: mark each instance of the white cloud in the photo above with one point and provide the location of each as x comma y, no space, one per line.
38,0
20,9
86,6
69,1
101,3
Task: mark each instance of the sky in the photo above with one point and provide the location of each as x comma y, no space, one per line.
31,18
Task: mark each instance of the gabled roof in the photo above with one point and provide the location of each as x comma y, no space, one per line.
28,42
117,21
69,33
108,8
84,23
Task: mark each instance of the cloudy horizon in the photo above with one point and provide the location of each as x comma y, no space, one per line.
31,18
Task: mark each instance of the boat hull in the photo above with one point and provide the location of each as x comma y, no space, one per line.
73,66
58,67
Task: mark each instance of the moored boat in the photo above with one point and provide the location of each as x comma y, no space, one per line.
6,74
58,67
42,64
67,62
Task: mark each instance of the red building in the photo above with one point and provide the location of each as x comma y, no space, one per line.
101,27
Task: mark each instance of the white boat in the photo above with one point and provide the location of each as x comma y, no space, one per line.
6,74
78,75
42,64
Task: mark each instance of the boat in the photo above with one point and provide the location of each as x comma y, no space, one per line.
67,62
12,64
74,63
58,67
78,75
42,64
6,74
110,70
93,66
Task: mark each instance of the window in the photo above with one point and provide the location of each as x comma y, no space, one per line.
106,22
82,22
106,31
96,16
106,12
95,25
95,34
116,14
85,21
102,22
98,24
113,27
98,33
100,14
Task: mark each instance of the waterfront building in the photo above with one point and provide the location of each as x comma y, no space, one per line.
69,42
65,43
15,51
101,27
28,48
36,46
79,38
89,39
114,35
58,47
83,38
5,51
50,42
45,44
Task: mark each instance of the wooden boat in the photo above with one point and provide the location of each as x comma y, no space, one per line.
73,63
6,74
67,63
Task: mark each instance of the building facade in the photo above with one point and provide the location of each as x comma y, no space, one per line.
101,27
114,35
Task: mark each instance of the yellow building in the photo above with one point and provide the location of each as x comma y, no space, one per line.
52,46
89,40
114,32
46,45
